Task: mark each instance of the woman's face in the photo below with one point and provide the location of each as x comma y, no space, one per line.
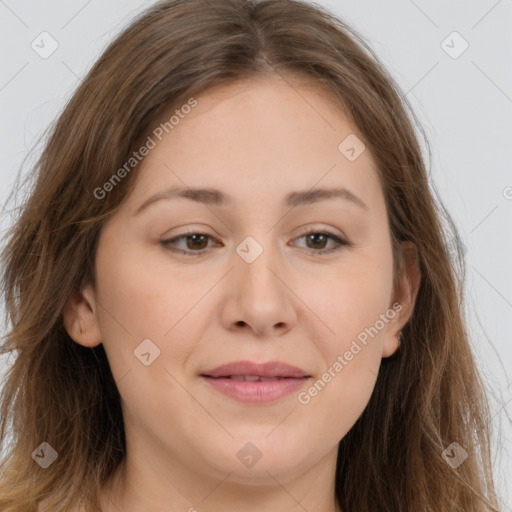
251,285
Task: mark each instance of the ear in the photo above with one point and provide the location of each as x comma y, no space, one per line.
405,296
79,316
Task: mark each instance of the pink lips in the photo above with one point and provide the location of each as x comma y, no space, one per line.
257,383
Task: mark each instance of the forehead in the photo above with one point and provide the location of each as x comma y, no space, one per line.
259,138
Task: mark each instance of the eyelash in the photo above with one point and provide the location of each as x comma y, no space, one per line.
339,241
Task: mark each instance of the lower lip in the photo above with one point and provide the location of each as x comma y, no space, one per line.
258,391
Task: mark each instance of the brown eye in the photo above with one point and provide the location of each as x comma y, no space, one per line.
316,240
195,243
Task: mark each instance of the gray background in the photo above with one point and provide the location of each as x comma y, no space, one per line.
465,104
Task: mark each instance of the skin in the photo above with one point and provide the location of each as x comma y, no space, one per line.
255,141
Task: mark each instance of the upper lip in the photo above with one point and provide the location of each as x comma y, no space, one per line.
270,369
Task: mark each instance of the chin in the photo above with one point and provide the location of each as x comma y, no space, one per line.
253,458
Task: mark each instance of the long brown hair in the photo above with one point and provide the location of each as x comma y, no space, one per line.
427,396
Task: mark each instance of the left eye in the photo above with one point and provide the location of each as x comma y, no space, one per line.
197,242
319,237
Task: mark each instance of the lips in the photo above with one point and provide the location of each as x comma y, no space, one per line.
252,378
256,383
251,371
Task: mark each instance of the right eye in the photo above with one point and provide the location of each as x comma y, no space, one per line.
195,243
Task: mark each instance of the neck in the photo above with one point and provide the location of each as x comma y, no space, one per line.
137,487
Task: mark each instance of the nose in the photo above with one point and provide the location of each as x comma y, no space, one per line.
259,298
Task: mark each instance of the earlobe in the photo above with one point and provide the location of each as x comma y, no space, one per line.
391,344
79,318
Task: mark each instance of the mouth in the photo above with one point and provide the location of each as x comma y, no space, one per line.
251,382
254,389
254,370
253,378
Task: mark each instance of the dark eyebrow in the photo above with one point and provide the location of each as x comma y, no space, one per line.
215,197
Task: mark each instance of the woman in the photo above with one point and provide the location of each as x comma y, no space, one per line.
230,287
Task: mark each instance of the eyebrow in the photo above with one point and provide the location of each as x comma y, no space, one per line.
215,197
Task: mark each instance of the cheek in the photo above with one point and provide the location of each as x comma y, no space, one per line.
143,291
351,302
351,308
351,354
139,300
339,396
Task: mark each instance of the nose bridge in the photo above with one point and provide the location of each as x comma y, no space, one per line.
262,299
256,268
